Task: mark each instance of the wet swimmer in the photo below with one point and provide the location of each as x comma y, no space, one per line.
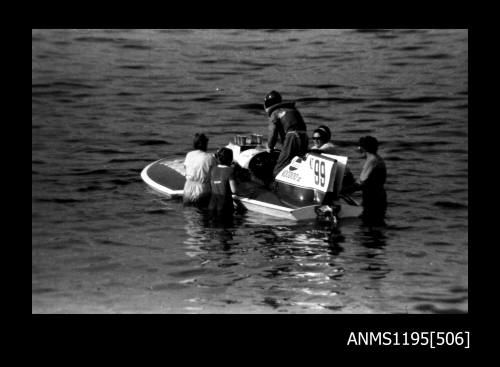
198,165
321,141
371,183
286,126
223,186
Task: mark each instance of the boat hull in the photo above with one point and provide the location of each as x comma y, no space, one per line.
167,179
308,212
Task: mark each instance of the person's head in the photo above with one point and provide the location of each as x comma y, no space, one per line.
224,156
200,142
369,144
272,98
321,135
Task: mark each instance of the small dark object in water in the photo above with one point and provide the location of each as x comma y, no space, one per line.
327,213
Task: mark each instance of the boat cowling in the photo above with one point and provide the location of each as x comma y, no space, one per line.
311,180
258,161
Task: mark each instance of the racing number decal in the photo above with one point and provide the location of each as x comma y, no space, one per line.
314,173
322,173
319,172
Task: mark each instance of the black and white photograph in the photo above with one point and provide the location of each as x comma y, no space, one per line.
249,171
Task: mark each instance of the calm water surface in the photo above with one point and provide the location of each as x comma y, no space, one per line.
106,103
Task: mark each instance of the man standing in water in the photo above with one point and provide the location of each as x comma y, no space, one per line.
287,124
371,183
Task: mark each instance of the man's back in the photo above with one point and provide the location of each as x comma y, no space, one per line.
289,118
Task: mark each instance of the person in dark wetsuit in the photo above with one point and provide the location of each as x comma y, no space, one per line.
287,125
371,183
223,186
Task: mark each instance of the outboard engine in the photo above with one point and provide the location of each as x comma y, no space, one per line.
258,162
262,165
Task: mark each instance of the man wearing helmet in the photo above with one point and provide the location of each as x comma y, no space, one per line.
287,124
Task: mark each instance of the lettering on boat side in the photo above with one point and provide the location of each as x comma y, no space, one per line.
291,175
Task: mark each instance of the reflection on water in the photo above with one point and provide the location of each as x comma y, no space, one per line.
374,243
299,267
293,268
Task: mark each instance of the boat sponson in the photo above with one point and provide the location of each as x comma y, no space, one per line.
166,176
162,178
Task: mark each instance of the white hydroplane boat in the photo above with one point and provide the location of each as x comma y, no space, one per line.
306,189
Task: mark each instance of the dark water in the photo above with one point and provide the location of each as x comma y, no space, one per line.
107,103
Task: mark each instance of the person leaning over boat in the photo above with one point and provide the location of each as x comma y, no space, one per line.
223,185
287,125
198,165
371,183
321,141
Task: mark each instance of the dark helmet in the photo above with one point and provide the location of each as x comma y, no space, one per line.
271,99
224,156
369,143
